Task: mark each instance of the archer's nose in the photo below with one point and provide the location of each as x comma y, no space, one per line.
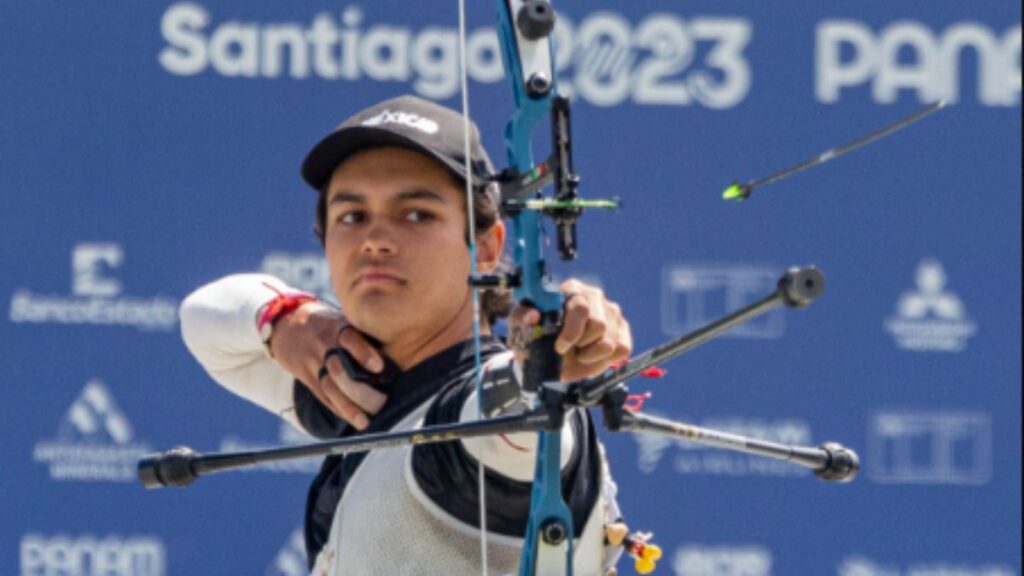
380,240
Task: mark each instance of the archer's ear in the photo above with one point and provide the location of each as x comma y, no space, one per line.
489,246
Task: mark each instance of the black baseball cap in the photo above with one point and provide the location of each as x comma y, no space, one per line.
406,122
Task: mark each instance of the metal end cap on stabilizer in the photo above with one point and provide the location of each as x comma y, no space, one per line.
843,463
172,468
801,286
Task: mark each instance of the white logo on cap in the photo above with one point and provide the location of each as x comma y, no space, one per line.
411,120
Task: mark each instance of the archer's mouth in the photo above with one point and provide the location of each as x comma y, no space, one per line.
378,278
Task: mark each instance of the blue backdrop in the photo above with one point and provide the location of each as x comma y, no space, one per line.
149,147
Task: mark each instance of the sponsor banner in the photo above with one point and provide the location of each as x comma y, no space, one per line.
604,58
695,295
96,296
92,555
917,447
930,317
95,441
183,126
722,560
862,566
850,53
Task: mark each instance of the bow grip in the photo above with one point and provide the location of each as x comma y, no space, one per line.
542,363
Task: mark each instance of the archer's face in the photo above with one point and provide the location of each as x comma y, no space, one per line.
396,248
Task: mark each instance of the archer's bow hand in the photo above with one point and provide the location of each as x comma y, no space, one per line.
594,333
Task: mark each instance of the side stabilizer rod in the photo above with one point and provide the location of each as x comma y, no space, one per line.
830,461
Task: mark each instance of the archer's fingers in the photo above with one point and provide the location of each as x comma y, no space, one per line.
615,343
314,387
342,406
625,340
363,395
524,316
585,321
360,349
317,388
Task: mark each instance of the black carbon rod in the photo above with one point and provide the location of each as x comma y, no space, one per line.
797,288
830,461
181,466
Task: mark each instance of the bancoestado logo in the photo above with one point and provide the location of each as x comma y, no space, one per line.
930,317
863,566
94,441
850,54
92,555
689,458
605,59
95,296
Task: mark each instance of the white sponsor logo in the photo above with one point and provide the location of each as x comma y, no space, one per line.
87,263
605,59
719,560
404,118
693,296
931,318
291,558
95,296
689,458
930,448
94,442
305,271
850,54
287,435
861,566
92,555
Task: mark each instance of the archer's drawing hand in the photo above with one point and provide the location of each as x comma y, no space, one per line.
300,343
594,334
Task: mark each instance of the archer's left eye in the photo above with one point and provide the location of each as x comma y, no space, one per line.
418,216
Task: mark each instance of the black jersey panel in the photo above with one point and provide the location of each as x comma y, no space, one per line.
409,390
438,467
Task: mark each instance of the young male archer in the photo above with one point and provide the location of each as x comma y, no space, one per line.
392,218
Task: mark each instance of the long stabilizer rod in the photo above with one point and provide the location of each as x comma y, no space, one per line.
797,288
182,465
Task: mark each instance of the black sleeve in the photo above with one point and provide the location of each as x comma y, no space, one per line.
447,473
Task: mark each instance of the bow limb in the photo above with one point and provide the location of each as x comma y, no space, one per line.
525,35
525,30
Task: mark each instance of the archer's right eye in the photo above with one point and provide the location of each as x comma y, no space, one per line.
350,217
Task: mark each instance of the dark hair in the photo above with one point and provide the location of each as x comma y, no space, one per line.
495,303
